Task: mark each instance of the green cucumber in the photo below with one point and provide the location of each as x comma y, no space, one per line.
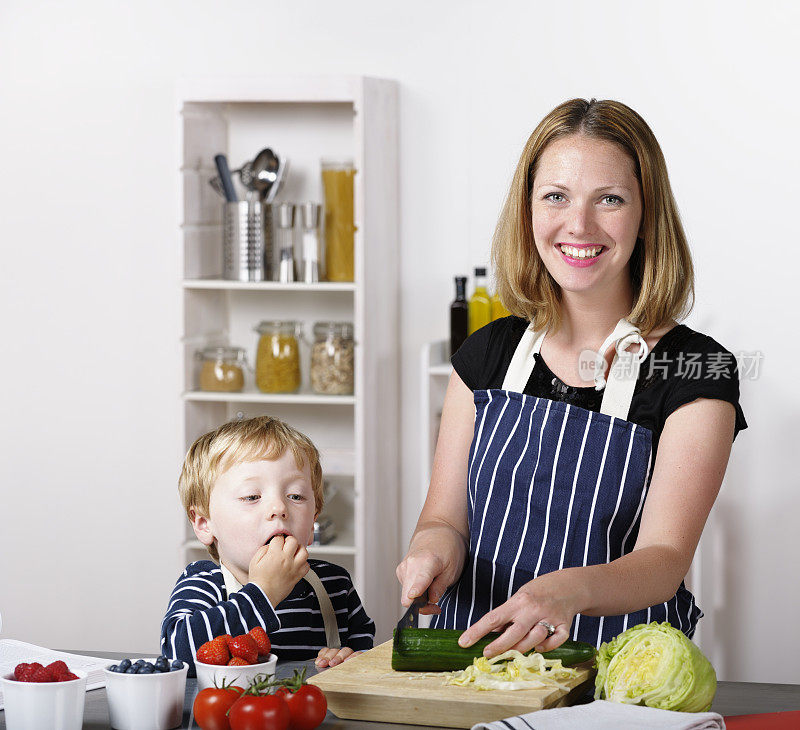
437,650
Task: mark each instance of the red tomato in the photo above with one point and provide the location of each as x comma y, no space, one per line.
264,712
307,707
211,706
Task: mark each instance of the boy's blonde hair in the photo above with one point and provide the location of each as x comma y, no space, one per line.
661,269
238,442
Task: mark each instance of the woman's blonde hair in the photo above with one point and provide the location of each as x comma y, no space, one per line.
238,442
661,268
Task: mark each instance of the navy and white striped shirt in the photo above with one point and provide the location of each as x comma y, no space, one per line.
200,609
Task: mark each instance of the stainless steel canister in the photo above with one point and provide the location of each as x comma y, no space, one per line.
247,241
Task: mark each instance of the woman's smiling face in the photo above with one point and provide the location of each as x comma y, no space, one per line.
585,193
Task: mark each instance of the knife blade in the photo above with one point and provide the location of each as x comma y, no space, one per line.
410,619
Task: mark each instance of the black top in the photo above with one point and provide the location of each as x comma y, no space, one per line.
684,365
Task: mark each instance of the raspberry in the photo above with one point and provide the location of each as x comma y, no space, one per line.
57,670
66,677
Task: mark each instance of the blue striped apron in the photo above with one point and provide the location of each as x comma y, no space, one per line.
553,486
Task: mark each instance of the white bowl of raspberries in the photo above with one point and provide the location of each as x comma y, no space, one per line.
234,659
42,698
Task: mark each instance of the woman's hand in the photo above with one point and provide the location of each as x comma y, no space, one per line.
553,597
434,561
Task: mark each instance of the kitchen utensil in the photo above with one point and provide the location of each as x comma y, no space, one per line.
280,175
246,175
225,178
366,688
286,242
310,220
324,530
410,619
246,241
265,172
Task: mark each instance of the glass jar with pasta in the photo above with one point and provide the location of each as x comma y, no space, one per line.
221,369
278,357
332,358
337,183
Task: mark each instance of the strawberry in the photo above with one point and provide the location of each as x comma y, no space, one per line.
237,661
262,640
214,652
245,647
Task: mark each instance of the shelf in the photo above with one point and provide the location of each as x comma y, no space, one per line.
257,397
441,370
225,284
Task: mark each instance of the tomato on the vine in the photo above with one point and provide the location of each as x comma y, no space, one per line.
307,707
211,707
260,712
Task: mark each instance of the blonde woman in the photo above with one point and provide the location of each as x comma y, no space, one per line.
583,439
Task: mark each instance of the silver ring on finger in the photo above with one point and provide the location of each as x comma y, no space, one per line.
550,628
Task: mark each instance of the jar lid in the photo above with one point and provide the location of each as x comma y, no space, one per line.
270,325
221,353
342,329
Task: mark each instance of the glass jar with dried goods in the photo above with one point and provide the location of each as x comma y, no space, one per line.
221,369
278,357
332,358
337,182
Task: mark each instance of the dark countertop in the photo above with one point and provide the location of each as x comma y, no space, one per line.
732,698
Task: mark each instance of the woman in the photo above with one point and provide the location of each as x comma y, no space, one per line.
558,507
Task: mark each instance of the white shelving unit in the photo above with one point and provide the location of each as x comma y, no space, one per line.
304,119
435,375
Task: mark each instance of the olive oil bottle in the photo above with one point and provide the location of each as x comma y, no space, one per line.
480,305
498,310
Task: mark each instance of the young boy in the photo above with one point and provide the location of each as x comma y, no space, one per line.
252,490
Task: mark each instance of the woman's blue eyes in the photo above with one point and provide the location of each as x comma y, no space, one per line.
552,197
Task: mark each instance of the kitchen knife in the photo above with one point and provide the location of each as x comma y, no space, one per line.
410,619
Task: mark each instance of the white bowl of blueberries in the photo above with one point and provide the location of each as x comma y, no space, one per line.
146,694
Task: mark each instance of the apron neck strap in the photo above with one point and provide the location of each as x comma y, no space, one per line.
621,378
328,615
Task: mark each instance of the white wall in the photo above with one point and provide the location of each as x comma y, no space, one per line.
89,366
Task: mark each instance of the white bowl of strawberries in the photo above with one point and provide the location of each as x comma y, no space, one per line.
234,659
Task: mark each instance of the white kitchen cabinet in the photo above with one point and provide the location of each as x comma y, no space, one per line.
304,119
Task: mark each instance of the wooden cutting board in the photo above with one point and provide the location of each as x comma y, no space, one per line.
367,688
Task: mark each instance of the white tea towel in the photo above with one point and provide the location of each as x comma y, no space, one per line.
603,715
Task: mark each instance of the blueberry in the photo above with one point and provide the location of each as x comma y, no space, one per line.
124,664
162,663
139,663
145,669
177,664
113,668
130,670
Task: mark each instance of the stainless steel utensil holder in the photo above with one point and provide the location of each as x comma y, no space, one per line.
247,241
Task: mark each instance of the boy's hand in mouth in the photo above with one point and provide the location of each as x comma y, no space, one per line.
277,567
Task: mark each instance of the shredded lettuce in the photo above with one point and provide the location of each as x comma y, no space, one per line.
513,670
655,665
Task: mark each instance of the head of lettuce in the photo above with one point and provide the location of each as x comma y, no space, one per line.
655,665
